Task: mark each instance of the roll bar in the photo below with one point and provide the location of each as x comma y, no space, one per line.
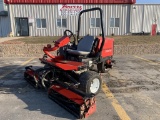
102,27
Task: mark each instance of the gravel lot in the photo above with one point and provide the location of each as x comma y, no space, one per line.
134,82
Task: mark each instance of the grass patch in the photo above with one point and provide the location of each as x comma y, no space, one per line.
134,40
37,40
119,40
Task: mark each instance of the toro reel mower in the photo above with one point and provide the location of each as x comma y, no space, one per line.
69,77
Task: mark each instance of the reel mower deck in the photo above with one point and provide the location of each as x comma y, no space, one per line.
78,103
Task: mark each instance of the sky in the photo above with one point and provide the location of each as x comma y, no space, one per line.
148,1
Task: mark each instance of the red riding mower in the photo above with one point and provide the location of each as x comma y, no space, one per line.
68,77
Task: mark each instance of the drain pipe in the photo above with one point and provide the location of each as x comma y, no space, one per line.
11,19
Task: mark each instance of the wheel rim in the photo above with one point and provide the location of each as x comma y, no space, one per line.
46,79
95,84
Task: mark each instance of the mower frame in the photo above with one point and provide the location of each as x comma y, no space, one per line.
68,82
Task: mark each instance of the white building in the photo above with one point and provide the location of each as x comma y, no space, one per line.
43,18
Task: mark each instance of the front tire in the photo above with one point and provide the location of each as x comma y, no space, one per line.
90,82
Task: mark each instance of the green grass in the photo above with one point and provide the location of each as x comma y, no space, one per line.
119,40
134,40
36,40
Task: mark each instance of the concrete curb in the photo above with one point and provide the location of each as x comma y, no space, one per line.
35,50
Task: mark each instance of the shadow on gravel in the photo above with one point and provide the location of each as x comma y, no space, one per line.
35,99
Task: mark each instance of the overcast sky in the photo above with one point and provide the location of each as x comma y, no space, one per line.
148,1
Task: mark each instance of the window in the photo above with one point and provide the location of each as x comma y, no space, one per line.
95,22
41,23
62,22
114,22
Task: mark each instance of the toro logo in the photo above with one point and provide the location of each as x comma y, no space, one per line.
71,7
67,9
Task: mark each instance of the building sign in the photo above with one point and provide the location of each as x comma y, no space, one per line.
69,9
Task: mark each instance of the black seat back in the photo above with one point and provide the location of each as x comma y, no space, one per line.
86,44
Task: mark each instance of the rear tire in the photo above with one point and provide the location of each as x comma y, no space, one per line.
90,82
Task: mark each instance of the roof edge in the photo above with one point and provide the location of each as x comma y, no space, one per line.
69,2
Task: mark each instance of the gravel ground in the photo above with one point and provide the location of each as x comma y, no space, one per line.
134,81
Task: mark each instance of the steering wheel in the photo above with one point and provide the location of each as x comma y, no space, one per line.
71,34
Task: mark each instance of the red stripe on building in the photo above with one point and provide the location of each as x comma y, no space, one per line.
70,1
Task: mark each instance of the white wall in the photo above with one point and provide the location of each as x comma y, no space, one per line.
50,12
143,16
133,18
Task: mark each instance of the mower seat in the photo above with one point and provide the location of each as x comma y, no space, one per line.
84,46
